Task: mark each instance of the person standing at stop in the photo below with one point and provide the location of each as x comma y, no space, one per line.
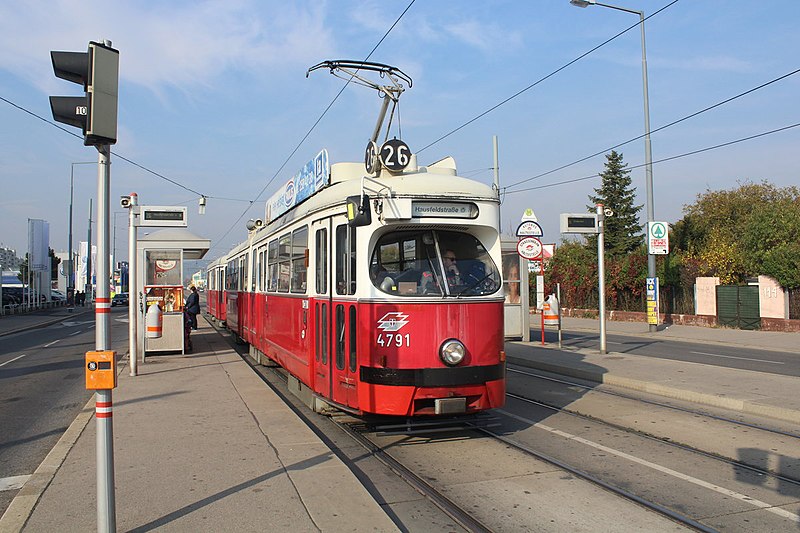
193,306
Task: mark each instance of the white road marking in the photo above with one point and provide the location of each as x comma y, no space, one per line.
13,482
52,343
73,334
663,469
742,358
12,360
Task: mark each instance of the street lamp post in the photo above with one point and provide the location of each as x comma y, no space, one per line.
648,154
71,262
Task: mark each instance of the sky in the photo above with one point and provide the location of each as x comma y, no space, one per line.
214,100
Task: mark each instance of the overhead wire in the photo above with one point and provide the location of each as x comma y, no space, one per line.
540,80
665,126
679,156
313,126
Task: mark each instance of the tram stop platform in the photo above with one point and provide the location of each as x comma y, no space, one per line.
748,392
200,444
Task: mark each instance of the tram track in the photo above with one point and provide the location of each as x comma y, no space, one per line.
662,440
363,433
652,506
653,402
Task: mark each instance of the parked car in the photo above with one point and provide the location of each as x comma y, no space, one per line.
57,296
121,298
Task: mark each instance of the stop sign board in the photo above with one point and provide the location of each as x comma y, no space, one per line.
529,248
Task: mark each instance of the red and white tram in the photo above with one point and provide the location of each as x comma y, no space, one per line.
377,289
215,290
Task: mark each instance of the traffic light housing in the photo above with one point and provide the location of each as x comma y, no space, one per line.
95,112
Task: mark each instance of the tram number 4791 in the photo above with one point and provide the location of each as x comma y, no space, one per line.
394,339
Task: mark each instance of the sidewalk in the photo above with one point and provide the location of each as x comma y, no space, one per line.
745,391
200,444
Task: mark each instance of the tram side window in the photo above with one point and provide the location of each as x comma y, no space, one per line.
272,262
252,274
340,337
284,262
353,331
299,264
262,286
345,260
322,261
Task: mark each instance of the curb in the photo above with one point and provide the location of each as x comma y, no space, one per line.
712,400
712,342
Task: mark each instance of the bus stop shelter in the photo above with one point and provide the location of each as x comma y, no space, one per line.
161,256
516,309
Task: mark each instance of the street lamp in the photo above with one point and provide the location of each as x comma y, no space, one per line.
648,154
71,263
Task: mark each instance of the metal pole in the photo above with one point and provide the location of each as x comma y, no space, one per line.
601,275
87,290
497,183
541,269
133,300
71,264
648,155
106,513
648,159
71,270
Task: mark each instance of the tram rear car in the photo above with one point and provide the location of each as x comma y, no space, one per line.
215,290
371,317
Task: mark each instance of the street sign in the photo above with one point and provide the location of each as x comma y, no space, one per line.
529,248
657,238
162,216
529,215
579,223
529,228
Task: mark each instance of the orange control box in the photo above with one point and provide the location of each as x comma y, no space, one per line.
101,370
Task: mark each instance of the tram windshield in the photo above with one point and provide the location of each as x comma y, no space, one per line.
433,263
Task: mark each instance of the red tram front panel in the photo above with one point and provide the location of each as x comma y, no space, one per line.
402,373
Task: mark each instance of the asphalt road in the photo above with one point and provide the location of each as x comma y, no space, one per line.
42,390
769,361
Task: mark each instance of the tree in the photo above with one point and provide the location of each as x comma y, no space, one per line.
623,233
742,232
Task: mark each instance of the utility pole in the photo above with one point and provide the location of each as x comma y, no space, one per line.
601,274
106,514
88,288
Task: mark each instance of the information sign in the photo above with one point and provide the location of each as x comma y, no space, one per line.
529,248
529,228
652,301
657,238
162,216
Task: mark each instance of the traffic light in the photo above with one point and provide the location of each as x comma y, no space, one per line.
95,112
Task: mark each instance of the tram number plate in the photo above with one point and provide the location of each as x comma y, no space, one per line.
395,155
399,340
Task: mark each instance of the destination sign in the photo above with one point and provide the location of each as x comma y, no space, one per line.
444,209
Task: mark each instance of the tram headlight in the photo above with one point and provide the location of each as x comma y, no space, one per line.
452,352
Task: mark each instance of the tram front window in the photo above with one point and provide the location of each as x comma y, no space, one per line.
433,263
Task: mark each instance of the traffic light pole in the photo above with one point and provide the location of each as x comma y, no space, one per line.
106,505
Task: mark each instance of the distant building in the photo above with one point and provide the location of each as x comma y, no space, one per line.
11,278
9,259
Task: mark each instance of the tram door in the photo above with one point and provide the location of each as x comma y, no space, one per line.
343,314
321,313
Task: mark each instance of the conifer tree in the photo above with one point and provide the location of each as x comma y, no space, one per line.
623,233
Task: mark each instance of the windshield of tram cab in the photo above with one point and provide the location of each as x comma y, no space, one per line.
433,263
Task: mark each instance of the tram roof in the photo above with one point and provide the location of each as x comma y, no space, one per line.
438,180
